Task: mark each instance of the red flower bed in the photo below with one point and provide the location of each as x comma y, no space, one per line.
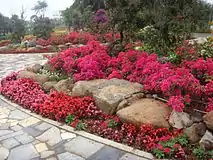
5,43
77,38
82,113
24,91
178,84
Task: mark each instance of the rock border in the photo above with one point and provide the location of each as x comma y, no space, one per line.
87,135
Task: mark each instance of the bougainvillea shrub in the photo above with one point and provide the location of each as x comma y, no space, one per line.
178,84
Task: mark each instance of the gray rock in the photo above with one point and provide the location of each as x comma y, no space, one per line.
180,120
107,93
146,111
41,79
195,132
47,86
35,68
196,117
24,152
207,140
64,85
208,119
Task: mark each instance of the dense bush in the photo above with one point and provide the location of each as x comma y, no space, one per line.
177,83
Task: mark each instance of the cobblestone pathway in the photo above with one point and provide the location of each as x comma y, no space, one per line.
25,137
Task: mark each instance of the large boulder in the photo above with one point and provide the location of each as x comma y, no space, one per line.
207,140
47,86
41,79
195,132
35,68
208,119
107,93
180,120
146,111
64,85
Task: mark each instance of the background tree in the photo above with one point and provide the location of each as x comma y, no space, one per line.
67,17
18,29
41,25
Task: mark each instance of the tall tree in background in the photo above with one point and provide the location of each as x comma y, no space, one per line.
40,8
18,28
67,17
41,25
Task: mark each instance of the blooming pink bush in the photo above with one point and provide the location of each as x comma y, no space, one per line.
178,84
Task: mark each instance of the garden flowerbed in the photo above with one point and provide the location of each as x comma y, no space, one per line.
113,97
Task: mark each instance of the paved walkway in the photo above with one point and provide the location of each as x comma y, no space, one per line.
24,136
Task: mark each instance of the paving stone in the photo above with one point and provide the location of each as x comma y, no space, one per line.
43,126
69,156
24,152
85,149
3,121
4,113
67,135
46,154
12,122
63,131
51,136
16,128
52,158
4,126
10,143
4,152
107,153
31,131
29,121
129,156
24,138
41,147
35,142
16,114
3,104
11,135
5,132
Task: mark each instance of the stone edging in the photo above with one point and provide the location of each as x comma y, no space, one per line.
83,133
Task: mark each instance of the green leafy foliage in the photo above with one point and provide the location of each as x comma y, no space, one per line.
202,154
167,149
159,154
206,49
112,123
70,118
54,76
81,126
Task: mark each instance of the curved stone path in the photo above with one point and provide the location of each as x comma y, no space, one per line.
26,136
